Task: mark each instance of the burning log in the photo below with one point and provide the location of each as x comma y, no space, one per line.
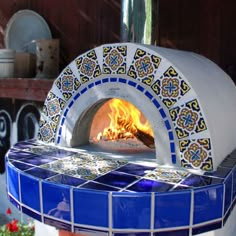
142,136
145,138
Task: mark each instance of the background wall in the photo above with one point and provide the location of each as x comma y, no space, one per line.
203,26
79,24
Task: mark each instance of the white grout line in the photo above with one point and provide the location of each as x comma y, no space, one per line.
72,209
208,222
20,197
41,200
110,224
31,209
152,212
19,187
127,186
191,212
223,202
171,229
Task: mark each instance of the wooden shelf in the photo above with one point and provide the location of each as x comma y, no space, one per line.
33,89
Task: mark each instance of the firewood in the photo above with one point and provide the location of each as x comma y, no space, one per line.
145,138
142,136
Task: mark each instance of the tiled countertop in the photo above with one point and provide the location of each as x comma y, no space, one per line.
80,192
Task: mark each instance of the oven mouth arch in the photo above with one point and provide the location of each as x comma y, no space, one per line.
74,127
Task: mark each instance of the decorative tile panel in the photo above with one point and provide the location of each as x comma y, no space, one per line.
167,175
53,107
47,131
144,66
196,154
114,59
87,167
188,119
170,87
88,67
67,83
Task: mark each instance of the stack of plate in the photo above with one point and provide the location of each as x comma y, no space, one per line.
23,30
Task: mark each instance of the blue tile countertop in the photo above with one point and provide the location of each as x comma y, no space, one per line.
82,193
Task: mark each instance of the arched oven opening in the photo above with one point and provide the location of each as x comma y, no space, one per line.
115,128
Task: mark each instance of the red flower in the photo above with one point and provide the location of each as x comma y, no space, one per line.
13,226
8,212
8,225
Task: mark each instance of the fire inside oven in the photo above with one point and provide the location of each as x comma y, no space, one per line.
120,121
115,127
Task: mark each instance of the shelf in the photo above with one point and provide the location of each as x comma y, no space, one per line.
33,89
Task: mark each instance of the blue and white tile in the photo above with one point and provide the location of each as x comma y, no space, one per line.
29,188
13,181
172,209
92,203
208,204
131,211
56,201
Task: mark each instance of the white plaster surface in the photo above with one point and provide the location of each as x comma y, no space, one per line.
216,93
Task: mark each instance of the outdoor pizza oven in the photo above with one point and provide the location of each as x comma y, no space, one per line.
132,139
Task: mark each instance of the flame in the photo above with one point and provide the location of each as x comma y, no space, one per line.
125,122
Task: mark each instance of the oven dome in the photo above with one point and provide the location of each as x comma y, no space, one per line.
189,101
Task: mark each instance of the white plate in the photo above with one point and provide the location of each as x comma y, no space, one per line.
23,29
